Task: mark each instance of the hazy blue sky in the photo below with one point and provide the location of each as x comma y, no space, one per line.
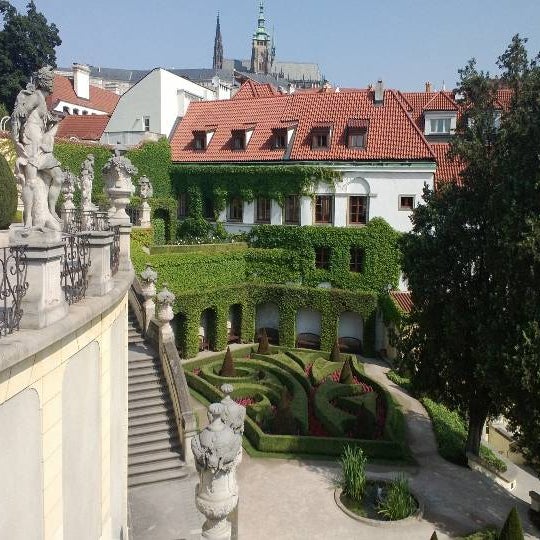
355,42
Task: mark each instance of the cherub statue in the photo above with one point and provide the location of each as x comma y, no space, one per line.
33,129
145,188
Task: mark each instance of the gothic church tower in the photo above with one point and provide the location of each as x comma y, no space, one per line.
262,53
218,48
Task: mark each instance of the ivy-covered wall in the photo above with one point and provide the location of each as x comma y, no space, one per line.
216,184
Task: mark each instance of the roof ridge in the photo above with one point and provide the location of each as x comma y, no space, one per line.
442,93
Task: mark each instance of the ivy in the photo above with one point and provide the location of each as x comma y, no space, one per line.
216,184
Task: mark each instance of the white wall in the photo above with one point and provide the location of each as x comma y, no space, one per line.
267,316
308,321
61,104
351,325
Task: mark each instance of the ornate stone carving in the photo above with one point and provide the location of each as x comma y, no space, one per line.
87,181
146,191
148,282
33,129
68,190
234,414
165,314
217,450
117,174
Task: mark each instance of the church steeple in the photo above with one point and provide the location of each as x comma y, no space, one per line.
261,48
218,47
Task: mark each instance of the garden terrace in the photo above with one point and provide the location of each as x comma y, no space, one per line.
296,404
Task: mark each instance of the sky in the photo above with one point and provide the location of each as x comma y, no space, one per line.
355,42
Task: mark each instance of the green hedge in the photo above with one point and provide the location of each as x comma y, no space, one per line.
207,249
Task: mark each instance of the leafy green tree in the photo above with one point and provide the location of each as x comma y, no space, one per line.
8,189
27,42
473,275
512,527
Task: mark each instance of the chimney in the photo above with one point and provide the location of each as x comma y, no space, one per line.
81,80
428,87
379,93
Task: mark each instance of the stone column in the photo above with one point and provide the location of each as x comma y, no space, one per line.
99,273
44,302
165,314
148,287
125,264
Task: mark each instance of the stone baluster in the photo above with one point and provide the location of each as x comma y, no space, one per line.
148,287
99,274
165,314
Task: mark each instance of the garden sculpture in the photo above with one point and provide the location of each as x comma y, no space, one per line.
146,192
217,450
87,181
117,174
33,129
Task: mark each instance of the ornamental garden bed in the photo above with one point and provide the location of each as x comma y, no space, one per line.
304,402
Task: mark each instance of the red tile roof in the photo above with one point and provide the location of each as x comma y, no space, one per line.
447,169
251,89
441,101
85,127
403,300
100,100
392,135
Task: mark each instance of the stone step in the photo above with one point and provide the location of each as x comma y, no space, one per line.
153,451
163,459
164,434
148,402
142,430
143,369
150,412
154,477
135,339
147,394
144,361
137,388
138,379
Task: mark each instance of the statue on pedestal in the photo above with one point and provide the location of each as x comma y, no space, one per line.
87,181
33,129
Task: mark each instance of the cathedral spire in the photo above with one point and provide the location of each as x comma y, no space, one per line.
218,47
261,46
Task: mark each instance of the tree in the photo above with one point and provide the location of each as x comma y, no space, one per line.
474,280
27,42
346,375
512,527
227,368
335,355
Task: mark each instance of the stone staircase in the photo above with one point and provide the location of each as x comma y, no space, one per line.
154,452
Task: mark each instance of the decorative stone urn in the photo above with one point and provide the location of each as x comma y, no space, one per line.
165,314
146,191
148,288
117,174
68,207
217,450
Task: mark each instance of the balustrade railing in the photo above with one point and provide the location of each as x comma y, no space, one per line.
75,265
77,220
115,250
13,287
134,214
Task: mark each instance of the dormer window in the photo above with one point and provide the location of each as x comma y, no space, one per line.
357,132
279,138
199,140
441,123
321,135
440,126
239,140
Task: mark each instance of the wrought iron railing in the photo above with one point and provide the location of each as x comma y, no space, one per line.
134,213
75,265
115,250
77,220
13,287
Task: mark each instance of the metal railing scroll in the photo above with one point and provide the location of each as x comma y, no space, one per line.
75,264
13,287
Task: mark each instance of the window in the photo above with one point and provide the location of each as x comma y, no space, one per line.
292,209
200,141
182,206
66,109
406,202
236,209
322,258
238,140
358,210
357,140
208,208
323,208
263,210
280,138
146,122
85,113
357,259
75,111
320,140
440,125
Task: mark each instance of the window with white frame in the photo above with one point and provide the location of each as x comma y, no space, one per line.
146,122
440,126
406,202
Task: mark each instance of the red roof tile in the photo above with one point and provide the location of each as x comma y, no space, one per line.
403,300
447,169
100,100
85,127
441,101
391,134
251,89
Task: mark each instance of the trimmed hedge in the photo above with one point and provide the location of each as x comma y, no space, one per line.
207,249
8,198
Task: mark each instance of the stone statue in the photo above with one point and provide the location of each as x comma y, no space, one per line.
234,414
145,188
87,181
117,173
33,129
217,450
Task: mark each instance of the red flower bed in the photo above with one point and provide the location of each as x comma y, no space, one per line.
308,369
244,401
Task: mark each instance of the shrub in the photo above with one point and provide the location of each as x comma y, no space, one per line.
284,422
346,376
335,356
398,502
227,369
396,378
8,199
512,527
159,231
434,536
264,346
353,470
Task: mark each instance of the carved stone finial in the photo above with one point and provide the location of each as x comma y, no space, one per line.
165,314
149,275
234,414
146,190
117,174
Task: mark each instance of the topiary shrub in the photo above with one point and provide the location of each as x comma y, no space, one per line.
512,527
335,355
159,231
8,197
227,369
434,536
264,346
346,376
284,422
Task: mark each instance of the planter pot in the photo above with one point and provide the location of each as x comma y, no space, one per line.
379,522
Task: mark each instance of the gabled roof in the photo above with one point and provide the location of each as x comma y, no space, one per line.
391,135
84,127
100,100
252,89
441,101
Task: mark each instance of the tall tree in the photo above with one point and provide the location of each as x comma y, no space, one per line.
27,42
467,258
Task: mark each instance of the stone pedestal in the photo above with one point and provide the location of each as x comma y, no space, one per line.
99,273
125,244
165,314
144,219
44,302
148,288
